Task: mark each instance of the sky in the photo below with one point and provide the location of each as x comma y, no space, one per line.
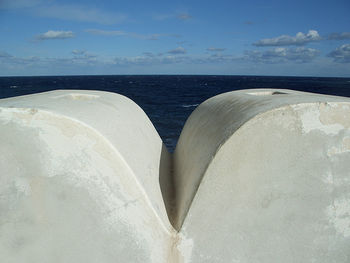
101,37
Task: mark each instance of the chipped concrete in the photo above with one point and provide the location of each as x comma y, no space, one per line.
339,215
312,119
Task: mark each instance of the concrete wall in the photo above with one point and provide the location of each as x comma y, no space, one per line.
259,176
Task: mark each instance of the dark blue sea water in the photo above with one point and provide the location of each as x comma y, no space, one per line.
169,100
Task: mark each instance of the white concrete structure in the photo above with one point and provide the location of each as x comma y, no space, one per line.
79,180
264,176
259,176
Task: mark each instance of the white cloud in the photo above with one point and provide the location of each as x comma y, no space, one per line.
150,63
216,49
81,61
341,54
281,55
285,40
178,50
339,36
51,34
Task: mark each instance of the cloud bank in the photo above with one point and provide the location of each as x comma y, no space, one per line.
339,36
281,55
178,50
4,54
341,54
216,49
285,40
51,34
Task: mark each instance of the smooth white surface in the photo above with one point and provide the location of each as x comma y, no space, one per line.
119,120
213,122
272,185
80,180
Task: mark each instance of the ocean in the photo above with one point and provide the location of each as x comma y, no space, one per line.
169,100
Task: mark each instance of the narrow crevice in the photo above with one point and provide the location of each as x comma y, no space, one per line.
167,184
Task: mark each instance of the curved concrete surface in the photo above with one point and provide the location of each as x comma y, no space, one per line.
263,176
80,180
259,176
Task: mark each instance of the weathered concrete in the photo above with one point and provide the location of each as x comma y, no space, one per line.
259,176
79,180
264,176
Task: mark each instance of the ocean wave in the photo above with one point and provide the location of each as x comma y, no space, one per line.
189,105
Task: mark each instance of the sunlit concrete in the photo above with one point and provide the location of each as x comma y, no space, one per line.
79,180
257,176
264,176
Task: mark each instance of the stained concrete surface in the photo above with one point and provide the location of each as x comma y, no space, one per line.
257,176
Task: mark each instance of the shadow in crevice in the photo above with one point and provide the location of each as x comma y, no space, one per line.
166,182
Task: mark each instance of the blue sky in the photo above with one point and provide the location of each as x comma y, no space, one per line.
270,37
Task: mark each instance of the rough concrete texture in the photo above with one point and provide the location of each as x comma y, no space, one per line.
79,180
259,176
264,176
